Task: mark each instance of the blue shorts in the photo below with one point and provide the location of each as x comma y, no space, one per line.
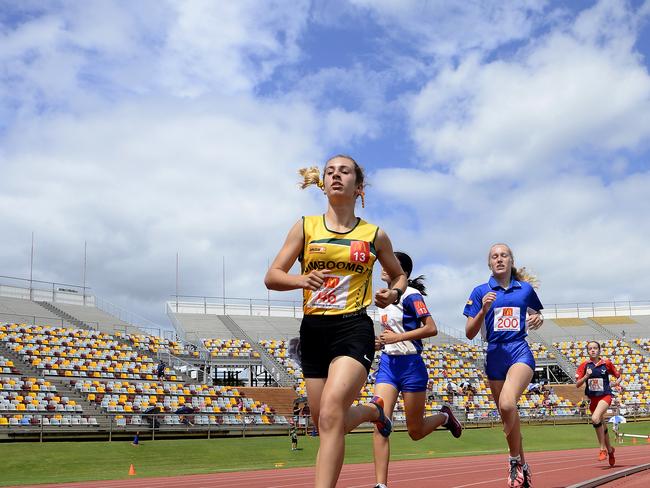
501,355
406,373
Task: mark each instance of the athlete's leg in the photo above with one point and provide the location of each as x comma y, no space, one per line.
495,389
597,417
417,424
518,377
380,444
345,379
314,388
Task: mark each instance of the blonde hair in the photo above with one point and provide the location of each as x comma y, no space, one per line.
520,274
312,176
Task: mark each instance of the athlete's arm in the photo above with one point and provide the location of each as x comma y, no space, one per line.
428,329
388,261
278,277
581,375
615,373
473,324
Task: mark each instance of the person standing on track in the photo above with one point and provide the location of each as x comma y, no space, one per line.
503,309
594,374
337,252
402,369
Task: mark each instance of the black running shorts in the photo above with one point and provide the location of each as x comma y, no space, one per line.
324,337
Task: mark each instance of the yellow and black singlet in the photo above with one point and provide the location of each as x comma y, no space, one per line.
349,256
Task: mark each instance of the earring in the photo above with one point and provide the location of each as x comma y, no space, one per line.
363,199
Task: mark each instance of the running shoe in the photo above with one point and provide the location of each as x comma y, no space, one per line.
452,424
528,476
602,455
612,459
515,475
380,485
383,423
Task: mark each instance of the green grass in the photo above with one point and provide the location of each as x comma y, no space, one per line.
26,463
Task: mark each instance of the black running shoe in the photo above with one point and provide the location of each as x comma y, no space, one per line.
515,475
528,476
452,424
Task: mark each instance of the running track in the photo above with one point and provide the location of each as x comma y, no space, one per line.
552,469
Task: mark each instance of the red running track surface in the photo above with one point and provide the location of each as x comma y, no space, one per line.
551,469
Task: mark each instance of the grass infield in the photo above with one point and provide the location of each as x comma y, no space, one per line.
50,462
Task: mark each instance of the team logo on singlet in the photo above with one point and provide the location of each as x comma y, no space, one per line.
384,320
359,251
420,307
313,249
507,319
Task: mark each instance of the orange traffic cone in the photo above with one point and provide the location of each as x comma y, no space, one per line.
633,440
647,439
132,471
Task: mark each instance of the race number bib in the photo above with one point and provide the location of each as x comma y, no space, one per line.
333,293
420,308
359,252
596,384
507,319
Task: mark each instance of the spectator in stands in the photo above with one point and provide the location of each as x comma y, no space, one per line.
337,251
452,388
502,309
160,370
594,373
533,388
582,408
186,414
402,369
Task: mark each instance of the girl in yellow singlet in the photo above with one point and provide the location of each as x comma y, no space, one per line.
337,252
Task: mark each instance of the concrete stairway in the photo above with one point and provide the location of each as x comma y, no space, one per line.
608,333
567,366
24,367
66,317
282,377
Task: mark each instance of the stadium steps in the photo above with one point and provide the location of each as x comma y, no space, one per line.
75,322
282,377
567,366
611,335
180,377
64,388
20,364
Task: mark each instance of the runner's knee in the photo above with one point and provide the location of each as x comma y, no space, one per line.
416,433
330,418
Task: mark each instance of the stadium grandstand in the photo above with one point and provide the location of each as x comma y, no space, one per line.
70,363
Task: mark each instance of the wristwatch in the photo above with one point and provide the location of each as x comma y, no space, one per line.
399,295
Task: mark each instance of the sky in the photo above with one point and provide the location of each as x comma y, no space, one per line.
152,128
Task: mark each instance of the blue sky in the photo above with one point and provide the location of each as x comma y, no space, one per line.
150,128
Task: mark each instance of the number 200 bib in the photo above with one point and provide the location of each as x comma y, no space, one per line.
507,319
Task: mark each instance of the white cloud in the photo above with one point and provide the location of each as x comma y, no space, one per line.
447,29
583,87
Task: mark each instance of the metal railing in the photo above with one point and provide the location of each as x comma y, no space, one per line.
12,318
150,425
262,307
614,308
47,291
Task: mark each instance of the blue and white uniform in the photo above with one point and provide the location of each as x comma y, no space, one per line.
504,326
401,364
